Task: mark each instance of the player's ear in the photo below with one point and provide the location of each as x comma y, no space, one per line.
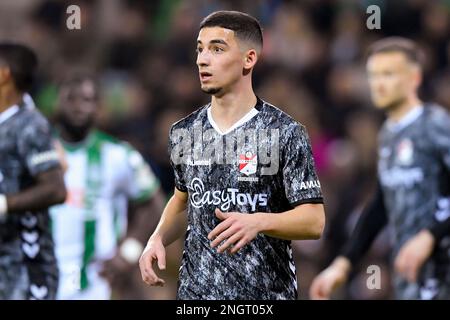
417,76
250,59
5,74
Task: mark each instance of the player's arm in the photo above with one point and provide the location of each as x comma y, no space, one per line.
416,251
304,222
48,190
369,225
144,216
36,148
171,226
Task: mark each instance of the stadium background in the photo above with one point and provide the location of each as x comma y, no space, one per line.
312,67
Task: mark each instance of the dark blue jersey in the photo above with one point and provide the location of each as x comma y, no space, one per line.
27,261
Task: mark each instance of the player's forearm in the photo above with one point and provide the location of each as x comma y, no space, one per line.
172,224
45,193
145,217
370,223
301,223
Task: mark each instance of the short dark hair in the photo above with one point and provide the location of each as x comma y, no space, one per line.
398,44
22,63
246,27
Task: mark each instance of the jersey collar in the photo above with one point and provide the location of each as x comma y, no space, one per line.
249,115
8,113
407,119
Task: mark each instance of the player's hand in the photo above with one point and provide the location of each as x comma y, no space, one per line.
116,270
330,279
236,229
154,251
413,254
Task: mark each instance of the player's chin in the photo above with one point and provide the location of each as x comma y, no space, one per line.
381,103
210,89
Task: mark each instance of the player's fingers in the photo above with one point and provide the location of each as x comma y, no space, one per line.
316,291
161,256
219,229
223,236
151,277
143,266
239,245
230,241
221,215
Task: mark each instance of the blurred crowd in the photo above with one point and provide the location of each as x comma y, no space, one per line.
312,67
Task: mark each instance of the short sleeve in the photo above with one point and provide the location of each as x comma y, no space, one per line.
176,154
300,179
439,133
36,146
142,182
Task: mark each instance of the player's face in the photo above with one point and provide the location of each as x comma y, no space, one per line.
78,104
220,59
392,77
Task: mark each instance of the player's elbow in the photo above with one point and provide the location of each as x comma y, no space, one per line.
60,194
318,224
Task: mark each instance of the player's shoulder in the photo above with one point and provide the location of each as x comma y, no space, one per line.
275,118
436,116
32,117
116,150
110,143
186,122
31,124
437,112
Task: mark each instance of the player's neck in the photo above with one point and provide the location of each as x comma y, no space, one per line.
8,98
226,110
397,112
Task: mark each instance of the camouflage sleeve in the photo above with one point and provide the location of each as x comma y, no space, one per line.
176,156
36,146
300,179
439,132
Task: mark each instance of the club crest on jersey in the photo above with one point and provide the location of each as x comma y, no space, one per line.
405,152
248,163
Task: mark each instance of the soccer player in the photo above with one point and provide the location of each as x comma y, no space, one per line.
413,181
105,178
243,207
31,180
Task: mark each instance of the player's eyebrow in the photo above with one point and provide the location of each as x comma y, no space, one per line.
217,41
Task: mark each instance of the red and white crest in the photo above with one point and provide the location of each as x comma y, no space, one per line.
248,163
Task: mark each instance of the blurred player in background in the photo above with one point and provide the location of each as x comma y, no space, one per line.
31,180
413,194
241,216
105,179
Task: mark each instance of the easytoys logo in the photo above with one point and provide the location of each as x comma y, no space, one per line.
224,198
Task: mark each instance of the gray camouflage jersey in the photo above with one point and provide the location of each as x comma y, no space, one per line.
27,262
262,164
413,168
